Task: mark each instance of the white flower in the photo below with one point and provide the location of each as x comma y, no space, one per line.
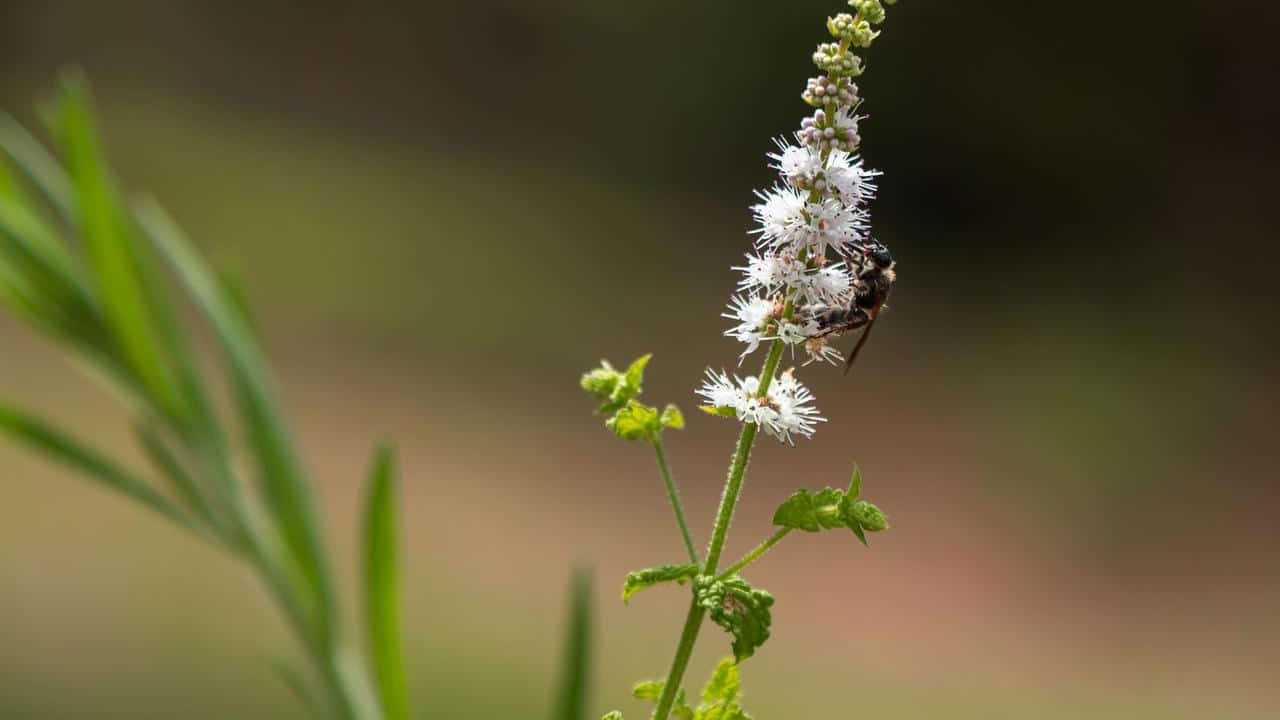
854,183
828,285
770,271
793,333
830,224
781,216
722,392
795,414
800,165
753,315
786,411
820,351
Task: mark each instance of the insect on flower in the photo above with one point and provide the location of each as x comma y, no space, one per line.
874,282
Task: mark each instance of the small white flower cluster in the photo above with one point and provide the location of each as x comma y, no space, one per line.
785,411
812,237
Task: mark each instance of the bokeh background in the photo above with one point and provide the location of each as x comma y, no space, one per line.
446,211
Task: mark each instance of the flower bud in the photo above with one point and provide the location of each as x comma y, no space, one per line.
870,517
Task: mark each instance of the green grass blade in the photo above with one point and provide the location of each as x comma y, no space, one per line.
58,446
184,484
381,587
288,498
38,165
111,250
301,689
575,656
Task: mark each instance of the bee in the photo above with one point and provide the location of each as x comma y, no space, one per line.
872,285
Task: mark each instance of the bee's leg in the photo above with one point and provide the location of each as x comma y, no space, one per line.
848,364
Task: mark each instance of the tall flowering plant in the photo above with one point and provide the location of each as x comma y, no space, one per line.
813,273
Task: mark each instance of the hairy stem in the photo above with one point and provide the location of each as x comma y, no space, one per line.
724,516
673,494
755,554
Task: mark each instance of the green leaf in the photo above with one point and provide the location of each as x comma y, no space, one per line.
855,483
862,535
641,579
300,688
381,588
725,412
168,464
634,378
66,450
651,690
725,683
575,662
672,418
280,475
112,252
38,165
738,608
636,421
798,512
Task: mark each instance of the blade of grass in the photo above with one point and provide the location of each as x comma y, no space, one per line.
286,493
381,587
41,437
38,165
575,656
301,689
111,250
184,484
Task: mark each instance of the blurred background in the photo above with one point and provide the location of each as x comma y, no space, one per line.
444,212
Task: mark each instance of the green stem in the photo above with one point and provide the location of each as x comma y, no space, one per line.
673,494
755,554
724,516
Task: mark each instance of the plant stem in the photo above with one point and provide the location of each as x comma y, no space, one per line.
755,554
724,516
673,494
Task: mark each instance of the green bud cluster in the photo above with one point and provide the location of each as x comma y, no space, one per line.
617,391
854,31
832,59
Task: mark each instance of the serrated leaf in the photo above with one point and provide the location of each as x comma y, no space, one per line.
855,483
798,513
738,608
672,418
724,684
636,421
647,578
721,694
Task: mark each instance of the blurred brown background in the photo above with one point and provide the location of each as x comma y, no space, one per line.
446,211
